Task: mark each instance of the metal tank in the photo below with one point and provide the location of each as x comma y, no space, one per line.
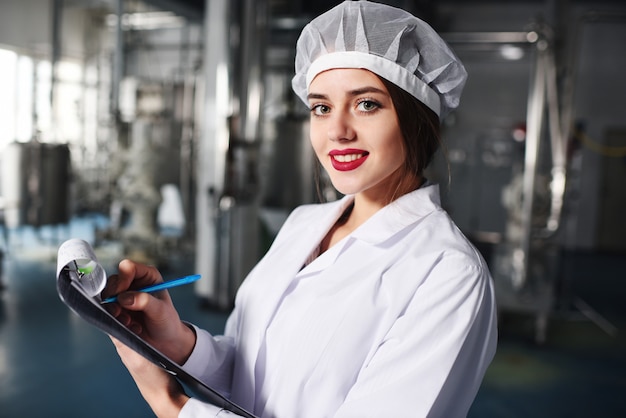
35,181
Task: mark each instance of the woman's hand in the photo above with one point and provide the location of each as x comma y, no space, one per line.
160,390
151,316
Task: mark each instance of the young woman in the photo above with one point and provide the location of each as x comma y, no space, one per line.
375,305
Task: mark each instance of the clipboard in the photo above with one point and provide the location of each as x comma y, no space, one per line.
80,279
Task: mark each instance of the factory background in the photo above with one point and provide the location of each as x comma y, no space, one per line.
166,131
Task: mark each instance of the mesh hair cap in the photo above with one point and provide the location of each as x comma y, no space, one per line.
387,41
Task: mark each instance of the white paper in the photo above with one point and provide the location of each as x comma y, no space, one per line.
77,256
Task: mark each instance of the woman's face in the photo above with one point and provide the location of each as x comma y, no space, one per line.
355,132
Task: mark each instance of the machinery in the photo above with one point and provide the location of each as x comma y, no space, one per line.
523,168
224,130
35,184
525,264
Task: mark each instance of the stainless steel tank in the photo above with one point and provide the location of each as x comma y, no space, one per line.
35,181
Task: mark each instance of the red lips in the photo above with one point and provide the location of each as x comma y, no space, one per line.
347,159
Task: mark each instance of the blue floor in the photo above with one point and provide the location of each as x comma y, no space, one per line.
52,364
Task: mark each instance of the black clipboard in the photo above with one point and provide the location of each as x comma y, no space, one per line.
90,309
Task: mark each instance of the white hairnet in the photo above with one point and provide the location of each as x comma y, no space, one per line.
386,40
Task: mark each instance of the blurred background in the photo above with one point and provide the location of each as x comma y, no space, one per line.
166,131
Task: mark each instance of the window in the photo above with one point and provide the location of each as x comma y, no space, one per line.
25,107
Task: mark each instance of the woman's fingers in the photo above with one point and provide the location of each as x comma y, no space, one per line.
137,273
152,316
131,275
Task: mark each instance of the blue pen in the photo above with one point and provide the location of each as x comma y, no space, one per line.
160,286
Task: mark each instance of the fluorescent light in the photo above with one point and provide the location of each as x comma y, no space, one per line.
511,52
147,21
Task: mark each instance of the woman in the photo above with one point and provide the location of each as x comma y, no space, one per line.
372,306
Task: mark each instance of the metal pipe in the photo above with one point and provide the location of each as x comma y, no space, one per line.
213,146
227,209
558,148
253,27
534,122
242,183
489,37
118,60
57,14
187,139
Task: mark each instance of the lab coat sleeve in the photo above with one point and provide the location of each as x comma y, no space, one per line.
196,409
211,361
432,360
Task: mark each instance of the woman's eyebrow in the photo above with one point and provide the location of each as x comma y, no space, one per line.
317,96
352,93
363,90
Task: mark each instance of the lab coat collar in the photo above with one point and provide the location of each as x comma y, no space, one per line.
383,225
400,213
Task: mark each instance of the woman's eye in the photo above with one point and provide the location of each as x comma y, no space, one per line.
320,109
368,105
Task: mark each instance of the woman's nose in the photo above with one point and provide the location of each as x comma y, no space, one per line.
340,128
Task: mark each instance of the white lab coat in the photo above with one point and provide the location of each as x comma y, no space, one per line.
396,320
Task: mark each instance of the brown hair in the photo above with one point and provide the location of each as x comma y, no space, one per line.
419,126
421,134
